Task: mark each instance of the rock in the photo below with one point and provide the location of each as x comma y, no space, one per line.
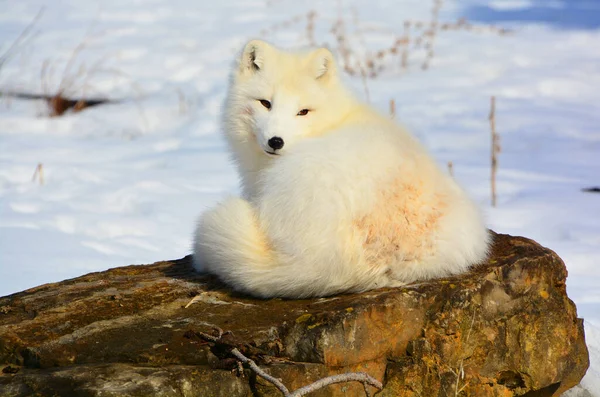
507,328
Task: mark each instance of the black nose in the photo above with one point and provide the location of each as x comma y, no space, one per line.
275,143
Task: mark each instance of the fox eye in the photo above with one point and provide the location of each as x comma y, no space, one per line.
265,103
303,112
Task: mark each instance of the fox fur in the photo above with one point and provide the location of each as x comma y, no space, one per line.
349,202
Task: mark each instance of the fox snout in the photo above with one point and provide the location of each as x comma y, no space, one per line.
275,143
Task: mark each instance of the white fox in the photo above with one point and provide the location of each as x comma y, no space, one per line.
336,197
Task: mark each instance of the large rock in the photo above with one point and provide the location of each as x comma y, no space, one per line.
505,329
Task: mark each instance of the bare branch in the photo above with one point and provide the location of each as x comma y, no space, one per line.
363,74
364,378
38,174
495,149
330,380
276,382
210,337
22,38
68,78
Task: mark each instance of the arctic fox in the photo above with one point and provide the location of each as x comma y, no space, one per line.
336,197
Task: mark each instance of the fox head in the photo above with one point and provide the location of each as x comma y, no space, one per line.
278,98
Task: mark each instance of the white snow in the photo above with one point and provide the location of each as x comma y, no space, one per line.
124,182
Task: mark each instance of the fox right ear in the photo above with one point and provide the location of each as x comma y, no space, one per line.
322,64
253,56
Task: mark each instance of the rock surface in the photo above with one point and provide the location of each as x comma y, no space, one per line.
507,328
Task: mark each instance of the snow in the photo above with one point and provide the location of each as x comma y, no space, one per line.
124,182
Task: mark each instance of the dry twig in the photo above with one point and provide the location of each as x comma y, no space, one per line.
310,27
286,24
460,372
347,34
432,32
23,37
363,74
406,41
70,94
495,149
364,378
276,382
38,174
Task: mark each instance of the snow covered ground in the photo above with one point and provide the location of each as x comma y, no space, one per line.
124,182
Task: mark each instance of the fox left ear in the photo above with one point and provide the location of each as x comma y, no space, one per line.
323,64
253,56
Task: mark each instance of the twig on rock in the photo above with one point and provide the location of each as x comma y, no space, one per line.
240,369
192,301
276,382
364,378
210,337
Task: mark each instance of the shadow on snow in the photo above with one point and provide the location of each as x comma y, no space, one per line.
565,14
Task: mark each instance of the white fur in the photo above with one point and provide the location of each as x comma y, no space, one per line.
351,202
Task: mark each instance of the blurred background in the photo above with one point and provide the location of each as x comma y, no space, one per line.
109,119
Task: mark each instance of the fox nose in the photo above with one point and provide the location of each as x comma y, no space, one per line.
275,143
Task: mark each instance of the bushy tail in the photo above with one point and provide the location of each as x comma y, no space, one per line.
230,243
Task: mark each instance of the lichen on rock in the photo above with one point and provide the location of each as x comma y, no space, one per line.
507,328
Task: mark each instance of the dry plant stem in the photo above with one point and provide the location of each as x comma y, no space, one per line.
416,34
433,28
283,25
362,377
363,74
183,107
67,78
406,45
38,173
494,150
460,373
342,45
276,382
21,39
59,102
330,380
356,22
404,62
310,27
44,76
240,369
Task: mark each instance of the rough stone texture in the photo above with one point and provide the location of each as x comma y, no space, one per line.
505,329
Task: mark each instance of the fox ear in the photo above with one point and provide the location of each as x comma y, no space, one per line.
323,64
253,56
